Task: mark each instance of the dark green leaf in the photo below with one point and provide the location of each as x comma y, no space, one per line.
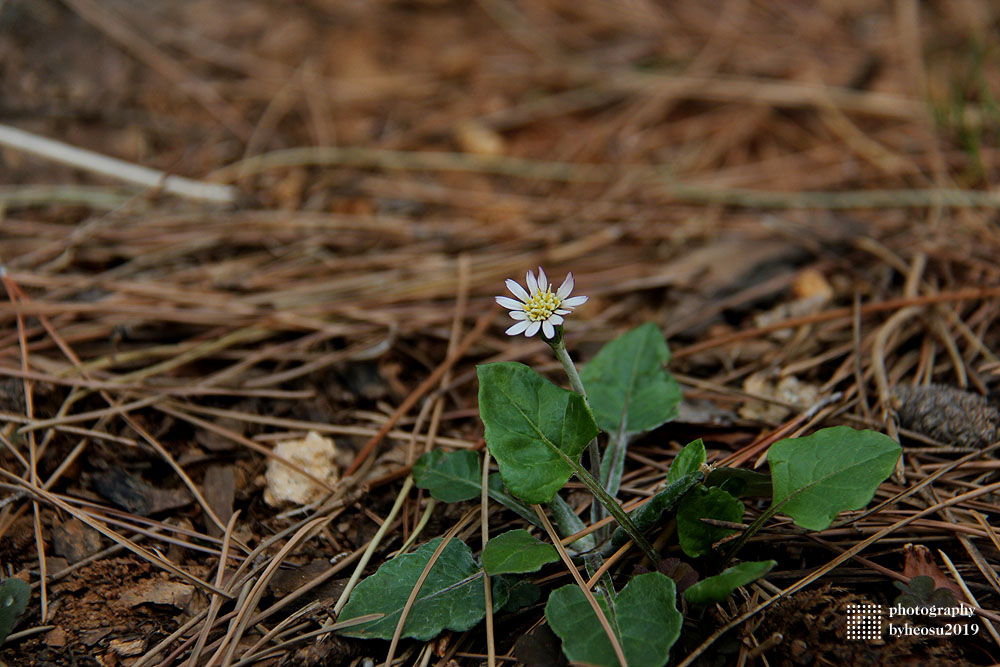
721,586
497,492
695,536
645,620
627,384
516,552
612,468
688,460
943,597
649,514
456,477
451,598
920,592
14,596
833,470
522,594
568,523
741,482
529,421
450,478
920,586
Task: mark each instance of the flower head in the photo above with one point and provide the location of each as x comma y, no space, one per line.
538,307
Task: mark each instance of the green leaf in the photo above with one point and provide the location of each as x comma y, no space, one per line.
612,468
721,586
649,514
741,482
522,593
529,422
628,388
516,552
568,523
695,536
688,460
645,620
457,476
450,478
451,598
14,596
495,489
836,469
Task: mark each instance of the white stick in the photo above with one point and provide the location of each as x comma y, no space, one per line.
57,151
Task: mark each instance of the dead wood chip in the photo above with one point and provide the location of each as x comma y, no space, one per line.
136,495
811,292
128,648
788,389
218,442
920,562
74,541
684,575
716,268
219,489
790,310
704,412
329,650
158,591
541,647
91,637
811,283
56,637
12,395
474,137
54,564
286,582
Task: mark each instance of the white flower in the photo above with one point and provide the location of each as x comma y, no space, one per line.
539,307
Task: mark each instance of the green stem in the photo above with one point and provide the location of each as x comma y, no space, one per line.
558,345
611,475
758,523
568,523
611,505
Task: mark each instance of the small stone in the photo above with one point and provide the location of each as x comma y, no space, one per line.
55,638
75,541
128,648
314,454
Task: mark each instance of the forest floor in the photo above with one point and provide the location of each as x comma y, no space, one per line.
801,195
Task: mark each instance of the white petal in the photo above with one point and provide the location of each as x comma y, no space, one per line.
509,303
562,311
548,329
567,287
575,301
556,319
543,282
517,290
532,328
529,278
518,315
517,328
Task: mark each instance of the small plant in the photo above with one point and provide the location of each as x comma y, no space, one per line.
540,435
14,595
920,593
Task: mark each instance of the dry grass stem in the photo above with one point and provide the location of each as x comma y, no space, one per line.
601,617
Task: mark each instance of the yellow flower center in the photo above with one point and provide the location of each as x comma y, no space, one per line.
541,306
